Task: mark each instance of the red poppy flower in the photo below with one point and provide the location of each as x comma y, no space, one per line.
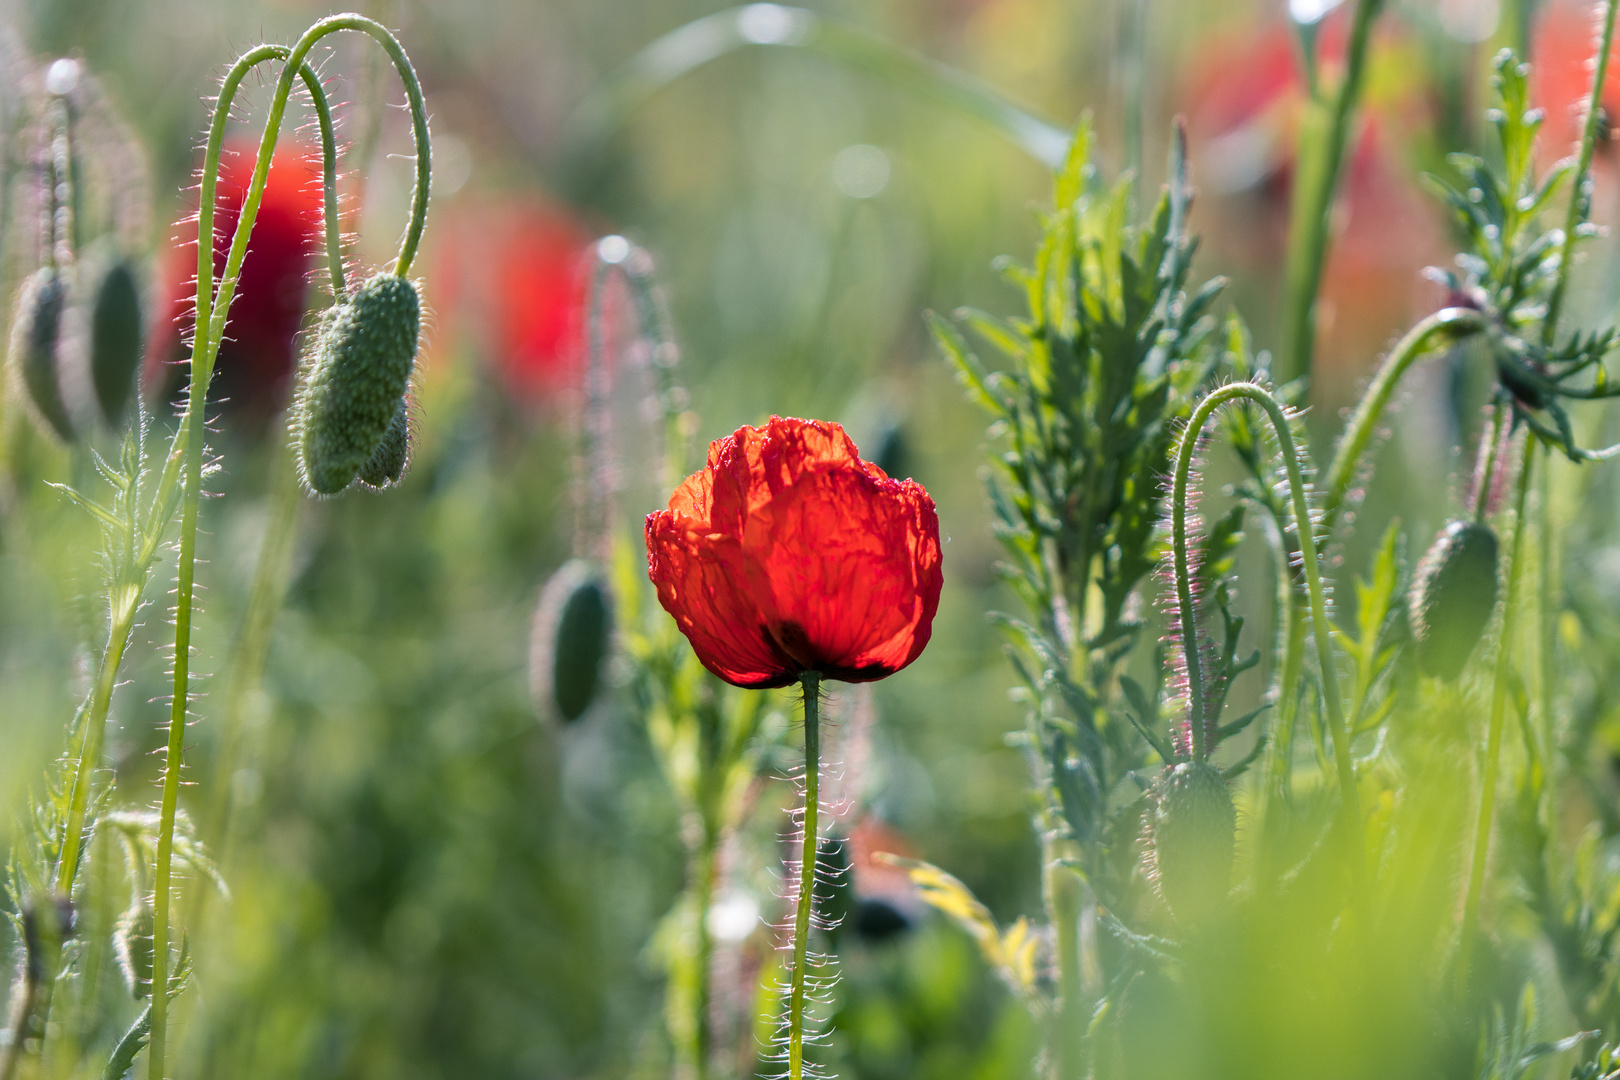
787,553
1245,97
1566,39
257,358
511,275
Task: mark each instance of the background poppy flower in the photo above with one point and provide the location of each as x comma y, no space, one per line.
1565,41
1245,98
256,361
511,275
788,554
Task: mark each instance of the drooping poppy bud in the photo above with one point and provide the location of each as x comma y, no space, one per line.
116,339
387,464
789,554
1452,596
253,372
570,641
36,346
355,385
132,946
1192,833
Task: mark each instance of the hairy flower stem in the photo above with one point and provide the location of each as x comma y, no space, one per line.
126,594
708,872
1493,733
1490,461
211,313
811,681
1321,154
1349,800
1444,329
1580,198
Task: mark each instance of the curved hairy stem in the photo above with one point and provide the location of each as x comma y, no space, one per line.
1322,629
807,874
1443,329
211,313
1493,733
125,598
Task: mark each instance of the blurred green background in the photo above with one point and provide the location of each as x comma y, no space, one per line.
425,880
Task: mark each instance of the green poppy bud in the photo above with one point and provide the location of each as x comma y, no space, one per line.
132,945
387,465
354,388
1453,594
116,337
36,338
572,637
1192,832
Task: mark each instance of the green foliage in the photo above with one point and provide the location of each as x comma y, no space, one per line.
1111,353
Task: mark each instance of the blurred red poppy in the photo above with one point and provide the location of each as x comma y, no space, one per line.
1565,41
787,553
259,353
1246,99
511,276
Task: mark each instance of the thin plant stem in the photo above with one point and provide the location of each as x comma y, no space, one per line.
703,960
811,681
1322,630
125,598
253,642
1580,198
1443,329
1490,461
211,315
1317,183
1493,734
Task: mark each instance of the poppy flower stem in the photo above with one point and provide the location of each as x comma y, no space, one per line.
1304,524
187,449
1493,733
811,681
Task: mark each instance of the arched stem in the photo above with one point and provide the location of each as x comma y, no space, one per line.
1441,330
1323,630
211,312
124,608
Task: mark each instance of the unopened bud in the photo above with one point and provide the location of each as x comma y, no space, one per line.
1453,594
132,945
36,339
1192,833
571,639
388,463
355,387
116,336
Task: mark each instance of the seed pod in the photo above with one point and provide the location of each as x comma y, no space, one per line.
1453,594
1192,832
387,465
116,337
36,338
357,381
132,944
572,636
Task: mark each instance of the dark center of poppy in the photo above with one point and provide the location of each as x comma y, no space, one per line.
789,638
